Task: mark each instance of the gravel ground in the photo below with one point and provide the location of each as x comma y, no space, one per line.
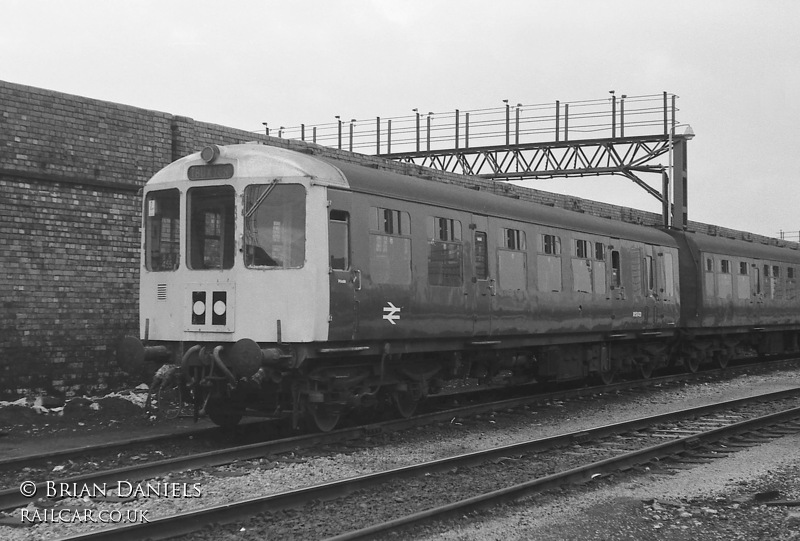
722,500
651,506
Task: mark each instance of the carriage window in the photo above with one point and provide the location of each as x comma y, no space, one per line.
211,227
444,229
600,251
389,221
742,268
390,246
790,273
776,271
513,239
481,256
581,249
162,230
649,283
616,275
725,266
275,226
446,252
758,279
709,265
551,244
339,239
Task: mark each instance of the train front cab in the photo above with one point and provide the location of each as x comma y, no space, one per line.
235,270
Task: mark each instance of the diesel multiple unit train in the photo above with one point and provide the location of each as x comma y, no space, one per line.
291,285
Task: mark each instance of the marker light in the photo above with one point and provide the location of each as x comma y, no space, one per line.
210,153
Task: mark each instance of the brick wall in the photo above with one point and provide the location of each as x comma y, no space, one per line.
70,170
68,264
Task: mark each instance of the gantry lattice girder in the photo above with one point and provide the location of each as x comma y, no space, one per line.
624,156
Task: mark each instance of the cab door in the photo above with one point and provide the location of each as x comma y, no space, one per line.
484,285
345,279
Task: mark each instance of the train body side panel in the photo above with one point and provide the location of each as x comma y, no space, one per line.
504,284
738,286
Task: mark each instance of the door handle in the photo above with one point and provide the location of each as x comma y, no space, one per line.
357,279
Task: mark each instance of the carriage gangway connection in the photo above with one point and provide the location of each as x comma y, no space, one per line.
622,135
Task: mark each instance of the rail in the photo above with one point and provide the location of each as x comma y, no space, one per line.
11,497
183,523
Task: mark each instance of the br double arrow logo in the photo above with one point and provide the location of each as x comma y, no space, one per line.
392,313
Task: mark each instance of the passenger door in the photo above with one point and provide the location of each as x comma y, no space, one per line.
756,286
617,293
484,285
650,272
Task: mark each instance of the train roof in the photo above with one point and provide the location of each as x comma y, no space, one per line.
265,161
257,161
408,188
741,248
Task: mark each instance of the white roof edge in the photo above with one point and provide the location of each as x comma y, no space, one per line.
259,161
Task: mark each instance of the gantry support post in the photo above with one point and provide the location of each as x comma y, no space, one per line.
680,183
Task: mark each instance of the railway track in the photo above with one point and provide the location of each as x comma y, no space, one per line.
9,497
416,492
25,467
157,466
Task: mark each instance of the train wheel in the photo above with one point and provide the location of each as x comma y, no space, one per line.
692,364
646,370
324,417
222,414
406,403
607,377
721,360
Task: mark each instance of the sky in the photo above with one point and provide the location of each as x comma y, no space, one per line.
735,65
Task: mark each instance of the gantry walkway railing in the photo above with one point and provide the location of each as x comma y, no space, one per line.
618,135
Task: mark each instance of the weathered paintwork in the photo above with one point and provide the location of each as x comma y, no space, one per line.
316,304
483,308
743,298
